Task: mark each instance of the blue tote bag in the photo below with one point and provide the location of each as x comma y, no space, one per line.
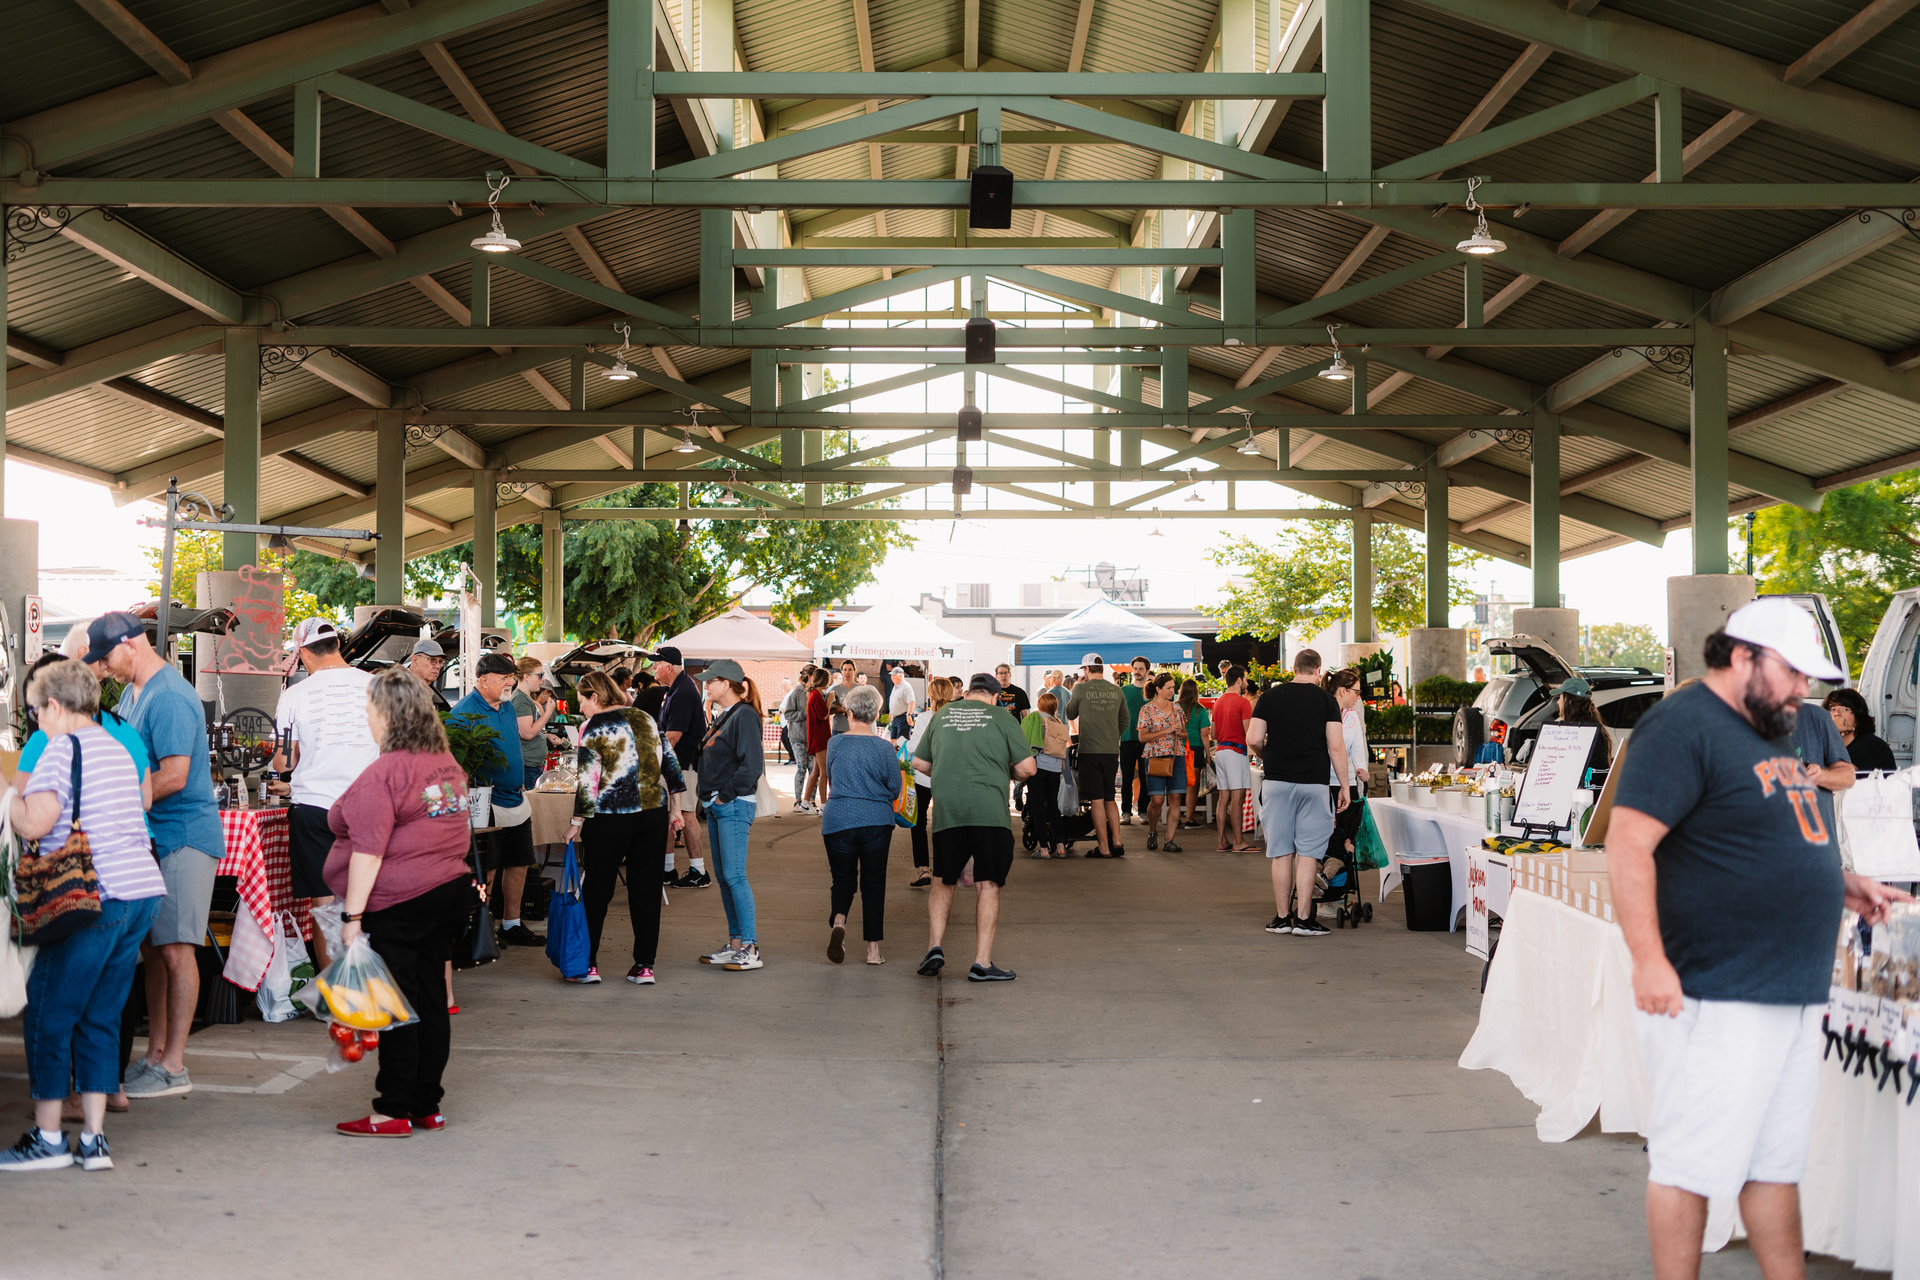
567,944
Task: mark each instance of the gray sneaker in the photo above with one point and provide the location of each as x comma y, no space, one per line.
94,1155
159,1083
137,1068
35,1152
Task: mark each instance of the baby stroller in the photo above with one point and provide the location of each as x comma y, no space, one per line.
1077,825
1343,885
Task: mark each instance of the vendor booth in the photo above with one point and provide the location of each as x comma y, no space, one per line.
891,629
739,635
1105,628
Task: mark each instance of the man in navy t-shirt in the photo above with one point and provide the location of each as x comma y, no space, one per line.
1727,881
683,721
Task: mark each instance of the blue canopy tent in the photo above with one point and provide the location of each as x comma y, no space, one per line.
1105,628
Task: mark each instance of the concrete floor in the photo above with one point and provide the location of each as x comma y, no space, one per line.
1166,1091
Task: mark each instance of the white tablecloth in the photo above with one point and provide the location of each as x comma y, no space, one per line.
1557,1019
1408,829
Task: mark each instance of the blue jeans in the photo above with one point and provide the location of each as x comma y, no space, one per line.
74,997
727,828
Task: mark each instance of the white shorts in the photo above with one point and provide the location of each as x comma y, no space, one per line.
1231,772
690,798
1296,817
1734,1085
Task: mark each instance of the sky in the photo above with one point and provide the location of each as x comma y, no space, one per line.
80,526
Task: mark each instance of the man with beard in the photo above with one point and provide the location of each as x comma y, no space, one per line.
1727,882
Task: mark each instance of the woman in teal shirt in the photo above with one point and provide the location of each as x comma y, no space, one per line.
1199,744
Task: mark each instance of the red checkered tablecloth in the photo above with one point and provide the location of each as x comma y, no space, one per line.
257,855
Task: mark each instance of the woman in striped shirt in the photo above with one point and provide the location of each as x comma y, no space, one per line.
79,984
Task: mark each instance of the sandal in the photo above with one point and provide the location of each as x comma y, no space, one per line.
1171,847
1153,841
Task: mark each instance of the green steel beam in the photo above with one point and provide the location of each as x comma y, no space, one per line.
613,298
861,391
859,456
1347,131
306,129
742,336
1818,351
1853,120
445,124
242,75
809,142
113,357
1544,496
1160,141
1846,241
1248,395
940,475
1365,289
120,243
854,297
663,415
1143,85
1527,128
961,241
1093,295
630,88
848,195
1077,511
983,253
1669,142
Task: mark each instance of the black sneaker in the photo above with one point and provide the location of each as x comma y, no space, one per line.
935,961
521,936
989,973
694,879
1171,847
1281,924
1309,928
669,880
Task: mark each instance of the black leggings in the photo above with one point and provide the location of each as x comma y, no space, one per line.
415,938
638,840
920,858
1043,808
858,856
1129,766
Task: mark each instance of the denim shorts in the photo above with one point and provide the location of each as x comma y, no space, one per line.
1173,786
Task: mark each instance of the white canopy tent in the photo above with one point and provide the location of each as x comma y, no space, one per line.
739,635
892,629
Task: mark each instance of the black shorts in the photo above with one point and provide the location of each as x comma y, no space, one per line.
513,846
990,849
309,841
1094,774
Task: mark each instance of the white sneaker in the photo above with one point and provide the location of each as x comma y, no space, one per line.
747,957
721,956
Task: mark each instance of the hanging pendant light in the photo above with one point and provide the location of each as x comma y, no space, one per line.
620,372
728,498
686,444
1196,495
1156,525
496,240
1339,370
1249,448
1481,243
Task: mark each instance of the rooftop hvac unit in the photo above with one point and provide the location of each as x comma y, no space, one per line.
1030,594
974,595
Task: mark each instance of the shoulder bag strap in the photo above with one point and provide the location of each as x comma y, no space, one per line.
73,823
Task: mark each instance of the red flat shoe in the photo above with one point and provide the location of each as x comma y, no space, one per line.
452,1009
372,1127
434,1121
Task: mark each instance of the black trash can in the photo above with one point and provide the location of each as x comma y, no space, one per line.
1427,885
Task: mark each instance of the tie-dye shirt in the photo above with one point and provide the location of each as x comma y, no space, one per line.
624,767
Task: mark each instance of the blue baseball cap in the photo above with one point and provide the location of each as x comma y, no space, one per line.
109,630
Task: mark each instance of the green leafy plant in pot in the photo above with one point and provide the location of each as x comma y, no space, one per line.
474,743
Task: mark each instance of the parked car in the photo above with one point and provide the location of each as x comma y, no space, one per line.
564,672
1890,675
1511,709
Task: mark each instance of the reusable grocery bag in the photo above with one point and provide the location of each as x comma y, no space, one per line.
906,804
567,944
1368,848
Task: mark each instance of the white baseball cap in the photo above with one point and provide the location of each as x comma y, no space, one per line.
312,630
1092,660
1788,630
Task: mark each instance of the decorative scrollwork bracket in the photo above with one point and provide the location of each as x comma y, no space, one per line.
1675,362
31,225
277,362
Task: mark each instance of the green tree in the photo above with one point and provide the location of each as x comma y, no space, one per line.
639,579
1622,644
1857,550
1304,582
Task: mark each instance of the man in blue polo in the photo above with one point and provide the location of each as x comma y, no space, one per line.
492,701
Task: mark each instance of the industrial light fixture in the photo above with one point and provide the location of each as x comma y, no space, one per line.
968,425
728,498
496,240
980,341
1249,448
1481,243
366,572
686,444
1156,525
683,528
620,372
962,480
1196,495
990,198
1339,370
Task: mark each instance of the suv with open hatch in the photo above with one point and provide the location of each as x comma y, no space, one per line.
1511,709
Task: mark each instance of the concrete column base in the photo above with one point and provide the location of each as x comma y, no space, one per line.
1352,653
19,578
1558,627
1435,651
1697,606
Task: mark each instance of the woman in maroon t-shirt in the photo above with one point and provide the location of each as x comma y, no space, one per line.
399,867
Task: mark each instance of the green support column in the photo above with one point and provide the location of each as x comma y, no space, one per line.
716,269
1546,510
553,578
1362,576
240,451
1358,387
306,129
480,294
390,507
629,88
1103,454
715,53
1237,53
577,394
1709,445
1237,292
486,543
762,395
1667,138
1348,131
1436,488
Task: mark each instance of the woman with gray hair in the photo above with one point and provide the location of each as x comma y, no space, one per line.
399,868
85,788
864,777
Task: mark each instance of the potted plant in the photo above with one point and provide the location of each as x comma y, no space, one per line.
476,747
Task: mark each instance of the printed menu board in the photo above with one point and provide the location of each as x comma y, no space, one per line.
1553,775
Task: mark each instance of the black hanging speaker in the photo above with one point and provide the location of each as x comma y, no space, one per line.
963,479
979,340
969,432
990,199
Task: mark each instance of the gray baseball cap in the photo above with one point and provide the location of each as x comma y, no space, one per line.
429,647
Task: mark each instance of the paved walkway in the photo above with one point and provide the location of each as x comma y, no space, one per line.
1166,1091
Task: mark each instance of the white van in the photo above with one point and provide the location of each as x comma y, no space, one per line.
1889,676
